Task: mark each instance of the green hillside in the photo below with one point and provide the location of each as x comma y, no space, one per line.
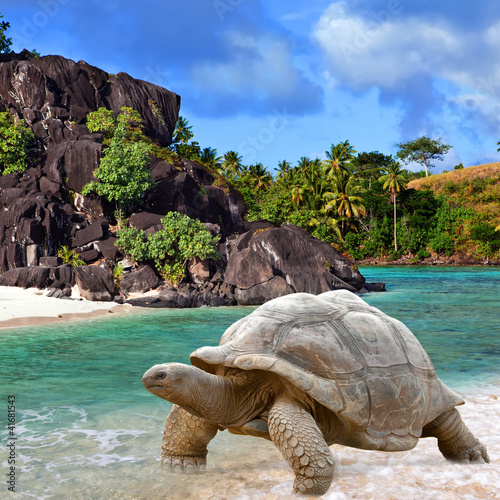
475,187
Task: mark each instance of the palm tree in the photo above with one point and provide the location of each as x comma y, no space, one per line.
259,176
339,157
210,159
394,182
182,132
297,192
232,164
284,167
345,198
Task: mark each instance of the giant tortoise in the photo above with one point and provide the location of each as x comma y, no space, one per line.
306,372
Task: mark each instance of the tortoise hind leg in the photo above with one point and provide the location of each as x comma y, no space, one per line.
455,440
185,441
295,433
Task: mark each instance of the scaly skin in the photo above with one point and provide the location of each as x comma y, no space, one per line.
185,440
295,433
455,440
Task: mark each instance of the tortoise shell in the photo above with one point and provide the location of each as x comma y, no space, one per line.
364,366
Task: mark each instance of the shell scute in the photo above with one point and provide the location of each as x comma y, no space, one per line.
363,365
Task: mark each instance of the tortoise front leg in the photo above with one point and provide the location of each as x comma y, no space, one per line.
185,441
455,440
295,433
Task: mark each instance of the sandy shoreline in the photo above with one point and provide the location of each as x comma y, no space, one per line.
28,307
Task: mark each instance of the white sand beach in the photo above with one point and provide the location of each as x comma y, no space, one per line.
26,307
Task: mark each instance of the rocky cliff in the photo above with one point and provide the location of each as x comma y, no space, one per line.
43,209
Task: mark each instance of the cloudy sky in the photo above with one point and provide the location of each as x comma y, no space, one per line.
283,79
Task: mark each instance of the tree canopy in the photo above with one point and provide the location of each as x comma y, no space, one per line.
422,151
123,175
5,43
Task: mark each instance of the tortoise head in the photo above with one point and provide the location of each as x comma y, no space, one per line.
170,381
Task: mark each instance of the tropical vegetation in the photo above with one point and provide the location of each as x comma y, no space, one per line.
364,204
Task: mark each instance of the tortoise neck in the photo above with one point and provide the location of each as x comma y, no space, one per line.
228,400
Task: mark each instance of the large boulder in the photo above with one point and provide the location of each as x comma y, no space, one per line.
158,107
94,231
270,262
26,277
139,281
94,283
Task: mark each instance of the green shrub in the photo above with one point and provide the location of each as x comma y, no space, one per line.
180,239
423,254
443,243
484,232
450,187
103,120
70,257
190,151
14,141
352,245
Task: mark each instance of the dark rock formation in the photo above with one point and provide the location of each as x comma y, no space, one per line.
94,231
27,221
144,220
58,93
72,162
185,191
108,249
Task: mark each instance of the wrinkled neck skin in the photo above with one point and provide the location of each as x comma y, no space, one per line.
227,401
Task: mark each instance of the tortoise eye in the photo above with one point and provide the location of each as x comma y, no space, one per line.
160,375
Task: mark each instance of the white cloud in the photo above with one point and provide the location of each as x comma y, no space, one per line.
407,56
385,48
257,66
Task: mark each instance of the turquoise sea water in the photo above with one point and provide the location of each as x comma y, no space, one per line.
86,427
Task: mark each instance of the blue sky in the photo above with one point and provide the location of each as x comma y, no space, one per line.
283,79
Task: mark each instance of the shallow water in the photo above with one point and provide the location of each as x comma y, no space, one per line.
86,428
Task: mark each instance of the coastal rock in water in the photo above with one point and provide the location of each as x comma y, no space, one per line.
94,283
301,262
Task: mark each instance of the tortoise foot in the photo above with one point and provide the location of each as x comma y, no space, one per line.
475,454
180,463
311,486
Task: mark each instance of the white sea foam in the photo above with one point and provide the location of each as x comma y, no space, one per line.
100,457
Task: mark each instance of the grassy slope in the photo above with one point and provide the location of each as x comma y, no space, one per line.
477,187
